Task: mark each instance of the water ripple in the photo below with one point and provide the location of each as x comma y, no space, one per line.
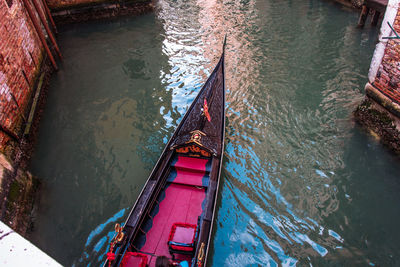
300,184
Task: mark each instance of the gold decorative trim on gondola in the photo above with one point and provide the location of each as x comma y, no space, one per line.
194,147
196,137
193,150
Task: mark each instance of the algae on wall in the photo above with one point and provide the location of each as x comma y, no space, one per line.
379,123
18,190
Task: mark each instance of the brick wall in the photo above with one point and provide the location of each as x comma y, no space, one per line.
387,79
20,59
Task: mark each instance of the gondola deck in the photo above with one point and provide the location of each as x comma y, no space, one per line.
174,213
181,201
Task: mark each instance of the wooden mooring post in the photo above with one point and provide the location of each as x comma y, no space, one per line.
378,6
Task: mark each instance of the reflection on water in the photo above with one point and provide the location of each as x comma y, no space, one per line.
98,240
301,184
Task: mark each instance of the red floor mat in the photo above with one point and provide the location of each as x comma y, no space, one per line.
181,204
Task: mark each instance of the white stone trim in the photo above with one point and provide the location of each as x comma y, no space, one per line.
17,251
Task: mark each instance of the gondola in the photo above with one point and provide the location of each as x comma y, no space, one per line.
174,213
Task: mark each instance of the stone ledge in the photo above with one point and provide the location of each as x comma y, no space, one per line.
351,3
17,251
380,122
382,100
101,10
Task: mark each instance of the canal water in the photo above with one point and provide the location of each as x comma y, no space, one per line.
301,184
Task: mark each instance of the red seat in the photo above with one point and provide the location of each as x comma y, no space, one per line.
182,239
134,259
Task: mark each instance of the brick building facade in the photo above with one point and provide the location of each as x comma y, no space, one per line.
21,54
387,78
380,111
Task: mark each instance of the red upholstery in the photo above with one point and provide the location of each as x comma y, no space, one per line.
181,204
192,164
134,259
182,236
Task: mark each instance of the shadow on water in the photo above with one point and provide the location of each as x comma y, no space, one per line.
301,185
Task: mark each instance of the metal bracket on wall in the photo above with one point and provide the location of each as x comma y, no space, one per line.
392,37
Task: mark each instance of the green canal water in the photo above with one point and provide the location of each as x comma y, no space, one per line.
301,185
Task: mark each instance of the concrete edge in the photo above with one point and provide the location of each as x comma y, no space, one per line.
17,251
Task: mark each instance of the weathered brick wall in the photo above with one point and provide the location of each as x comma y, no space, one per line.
20,59
387,79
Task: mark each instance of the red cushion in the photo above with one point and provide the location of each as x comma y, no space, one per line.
134,259
182,233
181,248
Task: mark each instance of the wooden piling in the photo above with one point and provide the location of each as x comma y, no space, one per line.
49,16
363,16
378,6
34,106
40,33
46,26
375,18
